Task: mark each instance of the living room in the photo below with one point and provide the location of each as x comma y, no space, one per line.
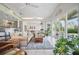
35,28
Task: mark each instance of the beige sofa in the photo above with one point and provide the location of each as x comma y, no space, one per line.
23,40
8,48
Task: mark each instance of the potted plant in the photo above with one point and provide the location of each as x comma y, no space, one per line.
61,47
75,46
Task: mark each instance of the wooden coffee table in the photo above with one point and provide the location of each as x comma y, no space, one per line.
38,40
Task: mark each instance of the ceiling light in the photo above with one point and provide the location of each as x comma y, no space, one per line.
28,18
39,18
32,18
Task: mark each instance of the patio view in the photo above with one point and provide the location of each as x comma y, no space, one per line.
39,29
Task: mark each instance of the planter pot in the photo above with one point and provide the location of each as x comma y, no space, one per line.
75,53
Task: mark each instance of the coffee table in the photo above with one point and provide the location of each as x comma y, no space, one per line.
38,40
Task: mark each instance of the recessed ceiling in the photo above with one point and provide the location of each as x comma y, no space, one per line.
42,9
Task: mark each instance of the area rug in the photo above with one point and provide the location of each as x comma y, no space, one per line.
45,45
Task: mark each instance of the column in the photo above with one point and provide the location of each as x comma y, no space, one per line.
78,22
58,25
18,24
66,26
53,28
45,25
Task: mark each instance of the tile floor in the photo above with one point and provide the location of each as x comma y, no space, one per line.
44,48
40,52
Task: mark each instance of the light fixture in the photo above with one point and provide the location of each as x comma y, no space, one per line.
27,18
39,18
33,18
32,5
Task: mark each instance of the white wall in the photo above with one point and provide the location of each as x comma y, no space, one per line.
33,23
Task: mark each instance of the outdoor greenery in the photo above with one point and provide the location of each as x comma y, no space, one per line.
63,46
48,30
70,30
71,15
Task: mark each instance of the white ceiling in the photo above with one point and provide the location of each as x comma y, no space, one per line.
43,9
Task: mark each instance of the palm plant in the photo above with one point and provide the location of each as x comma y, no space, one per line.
74,44
71,15
61,46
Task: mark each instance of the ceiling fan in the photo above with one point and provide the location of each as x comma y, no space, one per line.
31,5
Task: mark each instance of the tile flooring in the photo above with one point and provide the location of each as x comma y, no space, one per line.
44,48
40,52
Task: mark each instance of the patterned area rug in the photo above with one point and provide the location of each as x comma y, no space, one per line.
45,45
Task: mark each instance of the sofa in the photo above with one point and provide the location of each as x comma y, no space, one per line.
8,48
